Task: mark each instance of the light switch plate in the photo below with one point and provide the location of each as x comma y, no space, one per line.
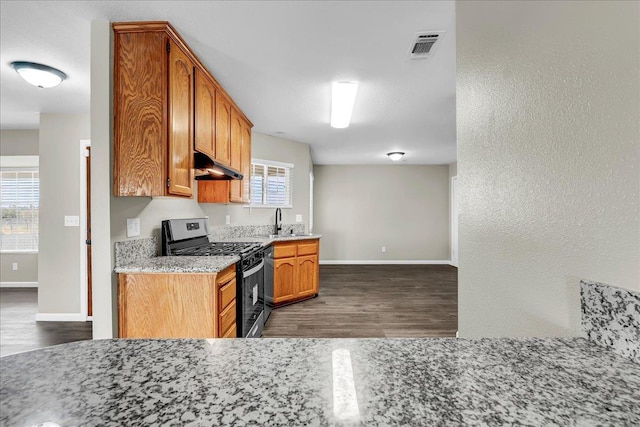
71,221
298,218
133,227
227,219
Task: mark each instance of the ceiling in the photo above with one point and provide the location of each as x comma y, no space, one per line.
277,59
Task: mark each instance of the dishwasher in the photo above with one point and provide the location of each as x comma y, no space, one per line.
268,282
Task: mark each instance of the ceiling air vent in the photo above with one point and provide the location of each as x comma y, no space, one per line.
424,44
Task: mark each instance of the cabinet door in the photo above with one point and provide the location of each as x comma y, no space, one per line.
180,155
223,129
205,108
307,278
235,186
284,278
245,159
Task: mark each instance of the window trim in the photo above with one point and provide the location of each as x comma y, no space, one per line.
12,164
276,164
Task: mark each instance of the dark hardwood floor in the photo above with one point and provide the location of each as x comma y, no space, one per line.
19,330
363,301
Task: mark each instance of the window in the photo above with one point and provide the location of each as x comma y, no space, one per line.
19,196
271,184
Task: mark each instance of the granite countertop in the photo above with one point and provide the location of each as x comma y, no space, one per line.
321,382
179,264
267,240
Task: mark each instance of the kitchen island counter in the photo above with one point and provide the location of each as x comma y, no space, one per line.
318,382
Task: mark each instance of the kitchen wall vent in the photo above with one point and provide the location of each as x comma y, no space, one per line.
424,44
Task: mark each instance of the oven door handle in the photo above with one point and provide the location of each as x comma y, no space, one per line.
254,270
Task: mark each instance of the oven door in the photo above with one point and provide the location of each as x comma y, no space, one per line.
253,301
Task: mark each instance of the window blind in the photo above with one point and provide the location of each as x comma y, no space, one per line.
270,184
19,199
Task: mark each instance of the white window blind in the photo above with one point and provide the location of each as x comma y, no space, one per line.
19,198
271,184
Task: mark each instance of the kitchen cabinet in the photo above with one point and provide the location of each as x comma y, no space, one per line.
177,305
205,109
296,270
232,191
153,114
167,106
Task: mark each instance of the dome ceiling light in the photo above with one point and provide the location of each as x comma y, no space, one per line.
396,156
39,75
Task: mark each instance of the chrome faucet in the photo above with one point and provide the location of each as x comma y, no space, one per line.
278,217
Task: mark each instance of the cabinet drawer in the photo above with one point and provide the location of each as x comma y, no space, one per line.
227,317
225,275
226,294
284,251
231,332
307,248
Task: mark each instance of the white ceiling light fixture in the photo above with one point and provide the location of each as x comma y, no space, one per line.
39,75
343,96
396,156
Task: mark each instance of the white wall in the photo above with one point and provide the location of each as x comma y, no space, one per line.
19,142
359,209
266,147
59,251
548,101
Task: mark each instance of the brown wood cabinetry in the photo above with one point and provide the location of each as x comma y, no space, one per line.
153,113
175,305
205,110
234,191
296,270
166,105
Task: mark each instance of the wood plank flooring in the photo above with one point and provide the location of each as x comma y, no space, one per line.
19,330
365,301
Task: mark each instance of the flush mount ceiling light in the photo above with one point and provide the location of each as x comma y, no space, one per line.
39,75
395,155
343,96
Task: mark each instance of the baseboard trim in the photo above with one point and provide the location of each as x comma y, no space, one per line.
60,317
382,261
18,284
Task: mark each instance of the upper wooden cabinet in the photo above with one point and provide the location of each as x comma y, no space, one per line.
234,191
166,105
153,114
205,110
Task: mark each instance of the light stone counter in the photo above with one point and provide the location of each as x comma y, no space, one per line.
321,382
179,264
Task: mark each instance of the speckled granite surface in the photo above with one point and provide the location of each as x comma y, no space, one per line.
179,264
321,382
611,317
129,251
228,232
269,240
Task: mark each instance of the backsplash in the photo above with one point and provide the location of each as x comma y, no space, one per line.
231,231
611,317
129,251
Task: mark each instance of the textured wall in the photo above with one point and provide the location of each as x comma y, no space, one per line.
548,101
59,252
359,209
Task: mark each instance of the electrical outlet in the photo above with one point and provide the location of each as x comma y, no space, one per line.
384,249
133,227
227,219
71,221
14,266
298,217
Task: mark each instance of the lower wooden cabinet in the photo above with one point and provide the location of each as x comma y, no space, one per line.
177,305
296,270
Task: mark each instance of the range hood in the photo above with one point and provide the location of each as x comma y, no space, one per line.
208,169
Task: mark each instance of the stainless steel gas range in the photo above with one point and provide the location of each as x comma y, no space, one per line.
189,237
